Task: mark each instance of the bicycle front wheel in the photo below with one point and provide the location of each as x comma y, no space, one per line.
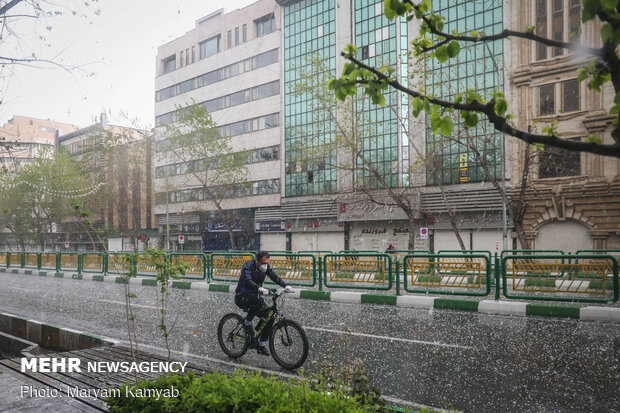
288,344
231,335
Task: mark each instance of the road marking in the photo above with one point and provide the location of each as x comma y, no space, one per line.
24,289
132,304
404,340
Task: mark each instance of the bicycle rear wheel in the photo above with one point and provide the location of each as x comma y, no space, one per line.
288,344
231,335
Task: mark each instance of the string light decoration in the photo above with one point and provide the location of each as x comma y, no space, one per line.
76,193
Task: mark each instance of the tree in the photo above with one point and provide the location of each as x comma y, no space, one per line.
38,196
353,134
215,171
434,43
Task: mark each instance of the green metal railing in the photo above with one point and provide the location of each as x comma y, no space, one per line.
49,261
120,263
196,264
552,277
227,266
295,269
362,271
96,262
69,261
453,274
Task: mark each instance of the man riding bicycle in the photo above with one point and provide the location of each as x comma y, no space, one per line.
247,297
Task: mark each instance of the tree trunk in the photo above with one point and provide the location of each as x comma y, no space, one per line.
231,234
525,244
413,229
451,213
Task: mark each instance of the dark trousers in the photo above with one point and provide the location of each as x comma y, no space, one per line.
255,306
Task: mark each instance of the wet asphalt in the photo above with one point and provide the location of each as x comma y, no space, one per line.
448,359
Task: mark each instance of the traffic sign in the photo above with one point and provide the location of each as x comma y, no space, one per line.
423,233
181,239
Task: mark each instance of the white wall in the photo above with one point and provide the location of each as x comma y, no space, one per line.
317,241
483,239
568,236
273,242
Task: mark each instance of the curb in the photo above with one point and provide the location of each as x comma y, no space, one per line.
511,308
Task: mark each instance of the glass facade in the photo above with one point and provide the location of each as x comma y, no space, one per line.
375,38
478,66
309,27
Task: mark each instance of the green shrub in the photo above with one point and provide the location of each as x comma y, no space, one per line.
243,392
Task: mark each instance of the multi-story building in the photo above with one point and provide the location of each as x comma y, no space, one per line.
230,64
121,163
22,138
572,199
319,206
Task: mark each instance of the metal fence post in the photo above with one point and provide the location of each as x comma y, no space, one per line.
319,274
497,269
397,277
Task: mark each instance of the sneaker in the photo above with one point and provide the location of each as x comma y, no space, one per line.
262,350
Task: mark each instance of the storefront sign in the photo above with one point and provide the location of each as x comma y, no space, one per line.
270,226
366,210
218,226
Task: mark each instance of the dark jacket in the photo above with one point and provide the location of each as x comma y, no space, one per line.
252,277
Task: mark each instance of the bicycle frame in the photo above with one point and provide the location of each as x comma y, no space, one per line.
273,313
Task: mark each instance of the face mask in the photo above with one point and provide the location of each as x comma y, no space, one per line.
263,267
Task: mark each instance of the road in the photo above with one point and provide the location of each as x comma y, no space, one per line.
448,359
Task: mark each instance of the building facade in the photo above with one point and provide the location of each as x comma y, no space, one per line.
230,64
569,192
120,161
23,138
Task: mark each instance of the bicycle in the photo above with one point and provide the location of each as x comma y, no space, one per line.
288,341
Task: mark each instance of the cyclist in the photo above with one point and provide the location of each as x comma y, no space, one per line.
247,298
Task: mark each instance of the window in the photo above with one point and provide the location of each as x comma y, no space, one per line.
557,25
265,25
245,33
574,20
185,86
547,101
271,121
554,162
165,93
541,27
186,57
267,58
571,95
181,59
236,36
558,20
210,47
193,54
229,39
169,64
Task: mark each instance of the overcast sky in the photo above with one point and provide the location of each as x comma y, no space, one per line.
117,48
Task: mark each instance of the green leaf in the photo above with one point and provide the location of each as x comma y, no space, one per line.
470,118
609,5
594,139
442,54
606,32
501,106
582,74
446,126
453,48
530,29
590,8
417,105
